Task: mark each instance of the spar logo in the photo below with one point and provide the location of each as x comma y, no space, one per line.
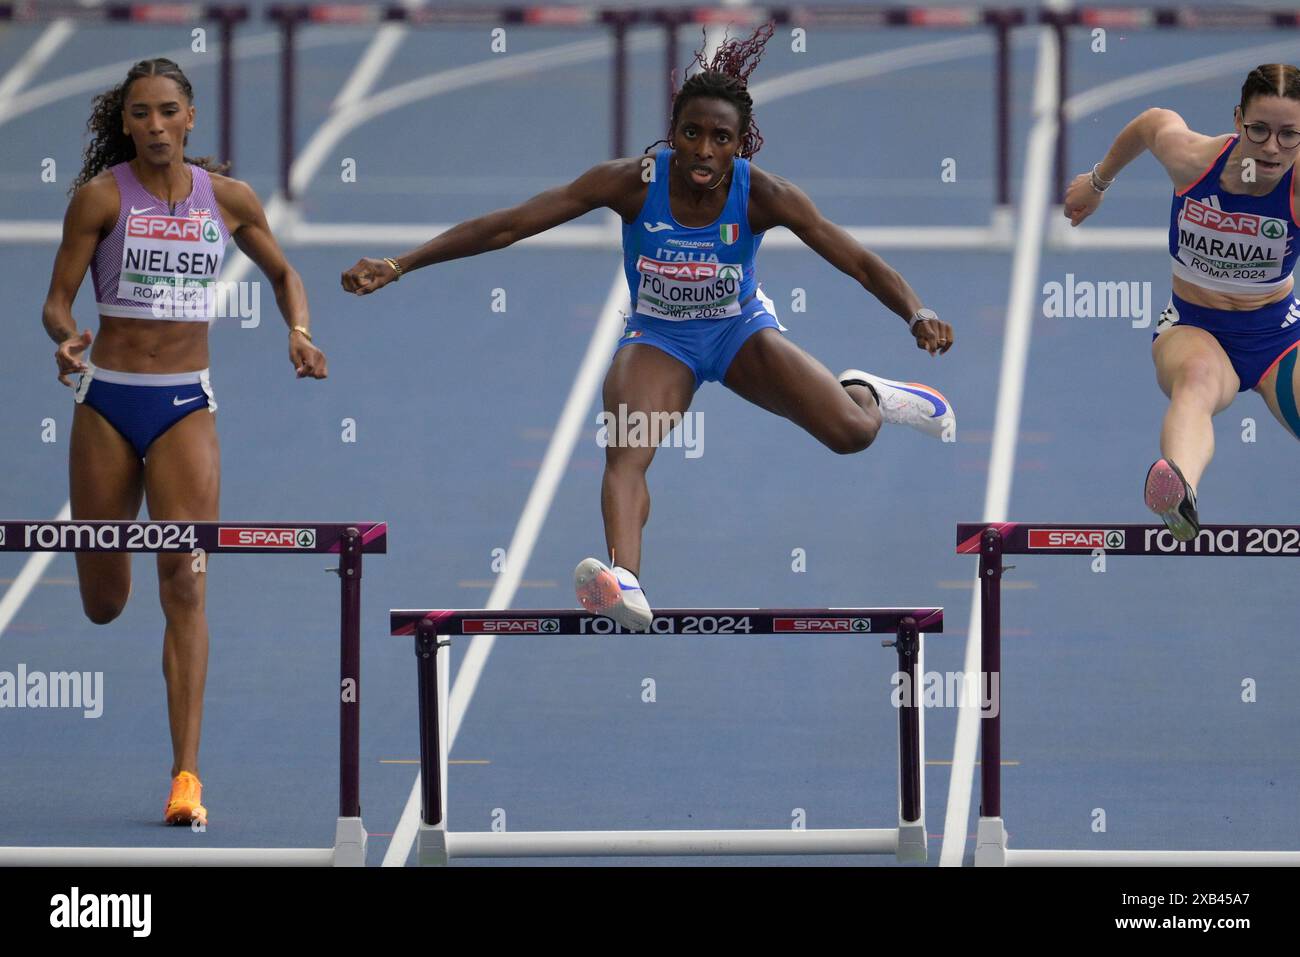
821,625
1076,538
687,272
179,228
266,537
1243,224
510,626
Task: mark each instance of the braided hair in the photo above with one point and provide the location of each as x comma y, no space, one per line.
108,145
725,78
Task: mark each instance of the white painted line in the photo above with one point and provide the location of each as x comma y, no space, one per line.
607,238
558,452
1006,427
46,45
32,572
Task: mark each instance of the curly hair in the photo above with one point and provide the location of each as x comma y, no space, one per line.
1270,79
725,78
108,145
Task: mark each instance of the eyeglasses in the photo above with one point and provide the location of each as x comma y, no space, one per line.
1261,133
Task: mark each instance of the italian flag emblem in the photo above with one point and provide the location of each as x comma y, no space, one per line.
730,232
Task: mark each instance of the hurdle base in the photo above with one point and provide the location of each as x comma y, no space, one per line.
166,857
431,846
913,847
991,843
350,842
438,846
1043,858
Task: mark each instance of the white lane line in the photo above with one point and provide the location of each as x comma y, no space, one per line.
558,452
1006,427
14,80
99,78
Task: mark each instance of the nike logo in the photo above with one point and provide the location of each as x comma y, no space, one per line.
137,212
177,400
657,227
939,407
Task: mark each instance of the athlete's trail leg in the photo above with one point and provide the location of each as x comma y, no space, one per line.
106,483
775,374
1284,402
182,482
1194,371
641,380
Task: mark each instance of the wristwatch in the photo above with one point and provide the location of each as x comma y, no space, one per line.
921,315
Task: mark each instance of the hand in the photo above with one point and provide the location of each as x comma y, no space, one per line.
367,276
933,335
68,356
1081,200
308,361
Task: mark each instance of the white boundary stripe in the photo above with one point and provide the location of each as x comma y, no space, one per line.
1011,382
28,578
558,452
310,234
46,45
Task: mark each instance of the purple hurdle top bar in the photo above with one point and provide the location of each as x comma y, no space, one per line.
900,626
992,540
348,540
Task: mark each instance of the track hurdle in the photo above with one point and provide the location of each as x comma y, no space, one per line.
349,542
433,630
991,541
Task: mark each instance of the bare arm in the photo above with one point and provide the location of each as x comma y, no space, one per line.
602,185
93,208
1183,153
252,234
785,204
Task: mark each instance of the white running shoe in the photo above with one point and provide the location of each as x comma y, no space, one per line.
907,403
613,592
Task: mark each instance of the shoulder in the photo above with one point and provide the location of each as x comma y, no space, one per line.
613,179
234,194
237,200
97,201
775,201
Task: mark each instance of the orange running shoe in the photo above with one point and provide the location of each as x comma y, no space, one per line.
185,804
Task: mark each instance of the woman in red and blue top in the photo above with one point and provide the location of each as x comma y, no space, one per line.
153,225
1233,322
693,217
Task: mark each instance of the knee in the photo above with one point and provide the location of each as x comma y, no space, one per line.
180,588
1200,377
101,610
853,436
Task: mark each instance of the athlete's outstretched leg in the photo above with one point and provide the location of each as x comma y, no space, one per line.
1280,388
105,482
183,483
1194,371
775,374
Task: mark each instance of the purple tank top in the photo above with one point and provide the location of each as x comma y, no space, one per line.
158,263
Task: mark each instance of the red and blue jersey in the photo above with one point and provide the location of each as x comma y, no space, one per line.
1230,242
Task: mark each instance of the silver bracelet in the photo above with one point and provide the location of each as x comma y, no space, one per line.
1099,184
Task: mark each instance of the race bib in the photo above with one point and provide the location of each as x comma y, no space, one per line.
1240,247
172,261
688,290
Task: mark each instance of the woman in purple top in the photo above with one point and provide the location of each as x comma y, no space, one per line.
153,226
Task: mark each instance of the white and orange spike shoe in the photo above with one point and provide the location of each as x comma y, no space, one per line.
613,592
922,407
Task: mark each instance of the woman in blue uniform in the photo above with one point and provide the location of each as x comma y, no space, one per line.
1231,324
691,228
